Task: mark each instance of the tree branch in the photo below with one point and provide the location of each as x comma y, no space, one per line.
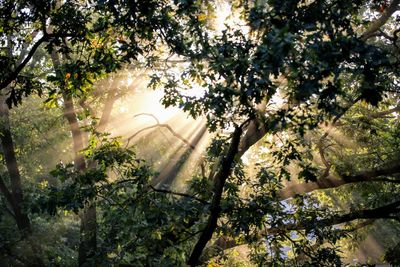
45,38
179,194
331,221
215,209
376,213
384,113
158,124
332,182
147,114
369,215
21,66
108,105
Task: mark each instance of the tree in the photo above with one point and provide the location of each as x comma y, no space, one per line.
315,56
14,197
28,124
88,46
311,58
277,86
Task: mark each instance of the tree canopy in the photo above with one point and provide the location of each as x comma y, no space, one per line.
290,156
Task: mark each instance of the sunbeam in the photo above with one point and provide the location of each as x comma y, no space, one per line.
167,138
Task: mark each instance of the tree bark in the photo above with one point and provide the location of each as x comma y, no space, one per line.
332,181
377,24
15,196
88,229
13,171
215,209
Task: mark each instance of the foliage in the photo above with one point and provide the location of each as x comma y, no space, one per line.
280,86
310,57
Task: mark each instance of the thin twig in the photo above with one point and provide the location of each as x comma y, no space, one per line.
178,194
326,134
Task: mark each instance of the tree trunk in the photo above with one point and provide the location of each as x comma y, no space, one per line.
88,230
15,195
215,209
88,234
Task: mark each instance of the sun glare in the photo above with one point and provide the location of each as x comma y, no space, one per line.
227,17
224,15
167,138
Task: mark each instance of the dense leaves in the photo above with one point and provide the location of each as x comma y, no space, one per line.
297,96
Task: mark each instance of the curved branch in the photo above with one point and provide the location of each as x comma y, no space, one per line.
158,124
45,38
21,66
147,114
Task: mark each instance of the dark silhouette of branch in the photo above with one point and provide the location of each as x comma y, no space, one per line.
163,125
382,212
21,66
14,74
336,219
388,211
377,24
215,209
179,194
